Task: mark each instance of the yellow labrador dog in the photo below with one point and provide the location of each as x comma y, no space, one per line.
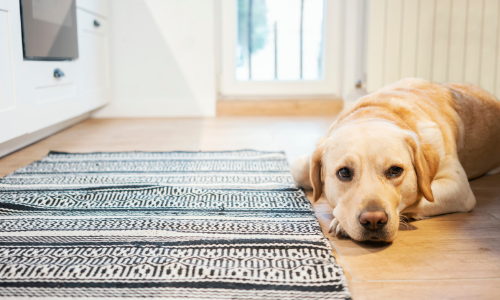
407,149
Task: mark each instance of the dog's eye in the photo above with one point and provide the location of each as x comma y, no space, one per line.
394,172
344,174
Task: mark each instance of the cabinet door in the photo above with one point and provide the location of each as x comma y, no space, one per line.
93,48
99,7
13,118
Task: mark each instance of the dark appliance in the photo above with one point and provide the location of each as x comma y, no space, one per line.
49,29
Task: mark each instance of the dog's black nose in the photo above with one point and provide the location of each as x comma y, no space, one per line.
373,220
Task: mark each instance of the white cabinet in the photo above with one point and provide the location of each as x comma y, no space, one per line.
93,49
98,7
50,100
12,108
40,85
31,97
6,80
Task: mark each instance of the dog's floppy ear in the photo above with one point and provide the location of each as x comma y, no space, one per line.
426,163
315,171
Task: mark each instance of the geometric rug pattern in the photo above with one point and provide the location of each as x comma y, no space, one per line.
174,225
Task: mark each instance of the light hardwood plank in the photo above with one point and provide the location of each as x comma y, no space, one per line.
288,107
486,182
457,246
495,213
112,135
487,199
264,133
435,289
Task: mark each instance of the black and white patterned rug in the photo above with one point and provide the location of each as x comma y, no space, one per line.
221,225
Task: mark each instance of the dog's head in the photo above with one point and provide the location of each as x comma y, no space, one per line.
367,170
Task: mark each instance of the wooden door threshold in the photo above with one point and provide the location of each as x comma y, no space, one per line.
280,107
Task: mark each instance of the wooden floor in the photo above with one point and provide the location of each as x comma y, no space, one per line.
454,256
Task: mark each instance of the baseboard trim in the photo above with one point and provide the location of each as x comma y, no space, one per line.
25,140
280,107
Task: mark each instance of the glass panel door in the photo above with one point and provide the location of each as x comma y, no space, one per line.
280,40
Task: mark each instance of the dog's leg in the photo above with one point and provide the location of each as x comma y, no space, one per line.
336,229
300,169
451,190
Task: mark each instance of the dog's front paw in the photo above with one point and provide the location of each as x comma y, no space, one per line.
411,216
335,228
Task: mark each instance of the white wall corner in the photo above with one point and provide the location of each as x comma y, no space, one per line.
162,59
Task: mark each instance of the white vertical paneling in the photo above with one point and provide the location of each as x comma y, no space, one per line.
457,40
489,45
376,40
392,41
473,41
497,70
409,38
438,40
441,41
425,38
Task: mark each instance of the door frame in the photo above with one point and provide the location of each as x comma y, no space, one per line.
331,83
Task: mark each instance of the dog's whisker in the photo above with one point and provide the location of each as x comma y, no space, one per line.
404,225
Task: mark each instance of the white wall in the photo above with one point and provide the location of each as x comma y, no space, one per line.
438,40
162,59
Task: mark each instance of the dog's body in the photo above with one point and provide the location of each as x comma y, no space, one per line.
409,148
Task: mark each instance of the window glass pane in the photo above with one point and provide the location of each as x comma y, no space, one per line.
280,40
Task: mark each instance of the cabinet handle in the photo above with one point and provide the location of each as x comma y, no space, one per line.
58,73
96,24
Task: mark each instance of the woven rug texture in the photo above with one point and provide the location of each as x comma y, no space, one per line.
178,225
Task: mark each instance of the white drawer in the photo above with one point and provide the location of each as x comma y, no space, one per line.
99,7
41,86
